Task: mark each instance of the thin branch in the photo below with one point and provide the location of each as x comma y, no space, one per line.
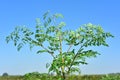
69,48
48,51
60,45
69,68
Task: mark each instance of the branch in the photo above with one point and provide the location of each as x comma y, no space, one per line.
69,68
60,45
69,48
48,51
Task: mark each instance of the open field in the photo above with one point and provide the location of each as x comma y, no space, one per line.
46,78
73,77
11,77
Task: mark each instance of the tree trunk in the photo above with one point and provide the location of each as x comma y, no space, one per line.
63,76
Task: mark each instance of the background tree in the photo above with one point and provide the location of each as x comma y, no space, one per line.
5,74
51,31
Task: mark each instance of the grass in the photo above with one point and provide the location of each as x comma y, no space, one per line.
73,77
11,77
85,77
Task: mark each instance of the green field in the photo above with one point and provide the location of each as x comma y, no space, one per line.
11,77
73,77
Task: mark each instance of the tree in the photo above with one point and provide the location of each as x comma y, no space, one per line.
51,31
5,74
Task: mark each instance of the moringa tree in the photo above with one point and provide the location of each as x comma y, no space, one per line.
51,32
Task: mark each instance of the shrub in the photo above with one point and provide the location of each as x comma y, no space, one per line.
111,77
32,76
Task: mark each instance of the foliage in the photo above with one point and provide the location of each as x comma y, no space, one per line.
39,76
72,77
5,74
11,77
111,77
32,76
51,32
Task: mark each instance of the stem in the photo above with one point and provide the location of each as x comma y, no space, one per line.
60,38
62,67
69,68
69,48
50,52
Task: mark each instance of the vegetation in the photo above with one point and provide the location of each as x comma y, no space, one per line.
11,77
40,76
51,32
5,74
35,76
111,77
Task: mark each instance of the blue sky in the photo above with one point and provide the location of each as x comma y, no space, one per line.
76,12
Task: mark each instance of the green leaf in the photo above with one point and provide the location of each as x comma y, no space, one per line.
75,69
49,20
57,15
41,51
105,44
82,40
46,23
83,62
61,25
7,39
31,46
45,15
47,65
20,45
37,23
90,53
109,35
